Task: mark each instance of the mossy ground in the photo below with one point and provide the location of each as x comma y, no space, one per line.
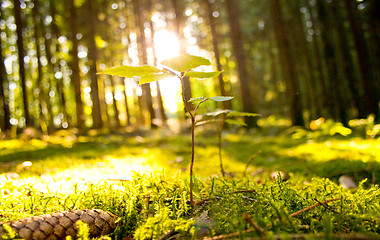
143,178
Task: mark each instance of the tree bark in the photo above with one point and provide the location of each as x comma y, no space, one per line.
74,64
5,124
239,52
92,58
59,81
287,64
179,22
21,55
371,100
43,110
327,34
114,103
159,95
143,58
215,44
347,61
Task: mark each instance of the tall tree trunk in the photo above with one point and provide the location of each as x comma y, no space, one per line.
143,57
320,73
346,60
237,45
287,64
215,44
179,22
371,99
312,86
43,111
92,58
159,95
74,64
21,55
332,61
59,81
127,112
114,103
5,124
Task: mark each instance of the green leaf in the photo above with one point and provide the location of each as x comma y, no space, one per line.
203,74
243,114
217,113
185,62
221,98
196,99
131,71
154,77
236,122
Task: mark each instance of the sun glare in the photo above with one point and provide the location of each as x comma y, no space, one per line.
167,46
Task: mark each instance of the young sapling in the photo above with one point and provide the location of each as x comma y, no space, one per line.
179,67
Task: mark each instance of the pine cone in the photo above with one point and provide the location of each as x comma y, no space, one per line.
62,224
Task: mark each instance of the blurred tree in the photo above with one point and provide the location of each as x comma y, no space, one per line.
5,116
239,52
21,55
215,43
179,23
287,64
43,113
368,79
143,57
91,21
74,63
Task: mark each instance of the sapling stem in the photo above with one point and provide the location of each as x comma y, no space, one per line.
192,117
220,143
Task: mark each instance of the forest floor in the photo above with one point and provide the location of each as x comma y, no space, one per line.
68,171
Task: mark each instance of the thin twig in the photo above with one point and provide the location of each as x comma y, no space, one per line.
313,206
249,162
326,206
243,191
249,220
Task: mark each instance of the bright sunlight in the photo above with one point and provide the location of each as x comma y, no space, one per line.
167,46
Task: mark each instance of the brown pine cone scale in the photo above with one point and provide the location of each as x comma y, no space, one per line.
62,224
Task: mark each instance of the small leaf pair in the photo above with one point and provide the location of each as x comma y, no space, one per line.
148,73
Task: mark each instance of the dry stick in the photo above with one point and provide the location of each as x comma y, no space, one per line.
254,225
313,206
326,206
249,162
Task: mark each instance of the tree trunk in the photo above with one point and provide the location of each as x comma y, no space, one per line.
21,55
346,60
312,87
92,58
179,22
320,73
114,103
143,58
5,124
215,44
327,34
371,100
237,46
287,64
43,111
75,76
159,95
59,81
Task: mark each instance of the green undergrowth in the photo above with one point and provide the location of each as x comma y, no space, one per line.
149,206
143,178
